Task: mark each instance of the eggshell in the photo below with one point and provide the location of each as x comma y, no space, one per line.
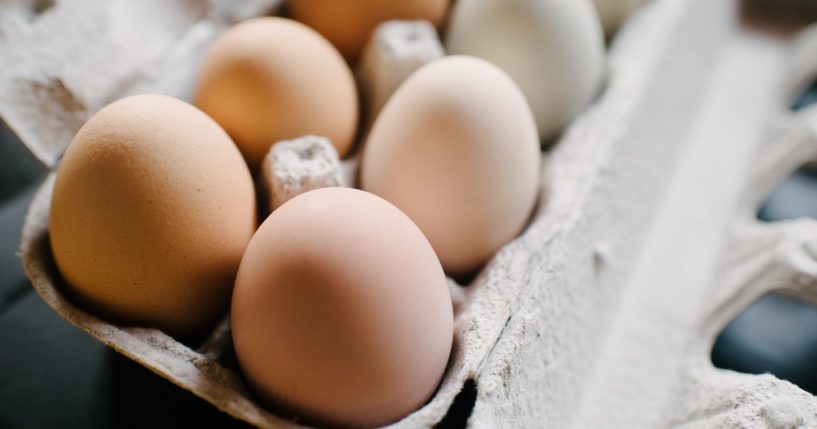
456,149
553,49
151,211
271,79
348,24
341,311
613,12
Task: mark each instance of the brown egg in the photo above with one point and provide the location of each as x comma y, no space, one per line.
341,311
152,209
456,148
348,24
272,79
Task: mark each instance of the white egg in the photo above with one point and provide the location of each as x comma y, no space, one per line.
553,49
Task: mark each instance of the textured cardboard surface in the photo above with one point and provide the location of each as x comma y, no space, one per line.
64,60
297,166
603,312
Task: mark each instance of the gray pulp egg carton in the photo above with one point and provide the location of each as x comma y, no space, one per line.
602,313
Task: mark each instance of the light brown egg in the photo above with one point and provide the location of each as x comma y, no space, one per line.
272,79
152,209
456,148
348,24
341,311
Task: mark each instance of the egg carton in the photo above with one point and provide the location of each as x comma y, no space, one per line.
603,312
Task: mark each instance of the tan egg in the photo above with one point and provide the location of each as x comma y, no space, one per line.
348,24
456,148
272,79
341,311
152,209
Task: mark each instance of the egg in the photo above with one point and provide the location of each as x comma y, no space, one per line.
456,149
553,49
614,12
341,312
271,79
348,24
151,211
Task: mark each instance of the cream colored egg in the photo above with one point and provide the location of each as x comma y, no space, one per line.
151,211
272,79
341,312
456,149
553,49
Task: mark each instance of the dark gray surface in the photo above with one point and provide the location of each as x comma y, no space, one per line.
778,335
12,213
19,167
807,98
56,376
795,198
51,370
